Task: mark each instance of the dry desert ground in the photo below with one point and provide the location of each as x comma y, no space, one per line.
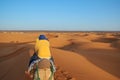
77,55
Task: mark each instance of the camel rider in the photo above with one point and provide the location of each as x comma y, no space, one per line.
42,50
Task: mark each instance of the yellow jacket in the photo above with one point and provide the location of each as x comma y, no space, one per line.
42,47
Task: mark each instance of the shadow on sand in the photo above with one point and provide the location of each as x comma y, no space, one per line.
13,65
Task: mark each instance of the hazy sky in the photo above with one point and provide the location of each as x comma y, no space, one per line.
60,15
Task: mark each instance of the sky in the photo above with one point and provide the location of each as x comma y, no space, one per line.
77,15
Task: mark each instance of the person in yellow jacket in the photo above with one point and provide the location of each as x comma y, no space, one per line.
42,47
42,50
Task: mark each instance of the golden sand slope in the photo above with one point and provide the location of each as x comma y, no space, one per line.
80,67
79,56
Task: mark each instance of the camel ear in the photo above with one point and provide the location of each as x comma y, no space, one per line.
27,73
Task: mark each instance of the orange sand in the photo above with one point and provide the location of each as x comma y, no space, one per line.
78,55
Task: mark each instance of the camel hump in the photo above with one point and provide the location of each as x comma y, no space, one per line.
44,63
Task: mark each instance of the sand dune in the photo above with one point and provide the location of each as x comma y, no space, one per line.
78,56
80,67
116,44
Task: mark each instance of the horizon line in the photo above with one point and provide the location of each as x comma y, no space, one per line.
59,30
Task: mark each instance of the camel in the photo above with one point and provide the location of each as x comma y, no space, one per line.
43,70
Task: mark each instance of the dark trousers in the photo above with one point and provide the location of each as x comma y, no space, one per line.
33,58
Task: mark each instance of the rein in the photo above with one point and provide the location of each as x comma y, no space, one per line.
38,78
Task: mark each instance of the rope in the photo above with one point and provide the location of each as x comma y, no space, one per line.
52,72
38,78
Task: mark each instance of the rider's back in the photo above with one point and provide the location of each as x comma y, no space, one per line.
42,48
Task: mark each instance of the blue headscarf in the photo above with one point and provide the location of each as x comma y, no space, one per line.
42,37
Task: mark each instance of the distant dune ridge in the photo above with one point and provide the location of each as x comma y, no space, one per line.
78,55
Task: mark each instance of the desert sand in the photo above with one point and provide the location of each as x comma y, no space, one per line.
78,55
